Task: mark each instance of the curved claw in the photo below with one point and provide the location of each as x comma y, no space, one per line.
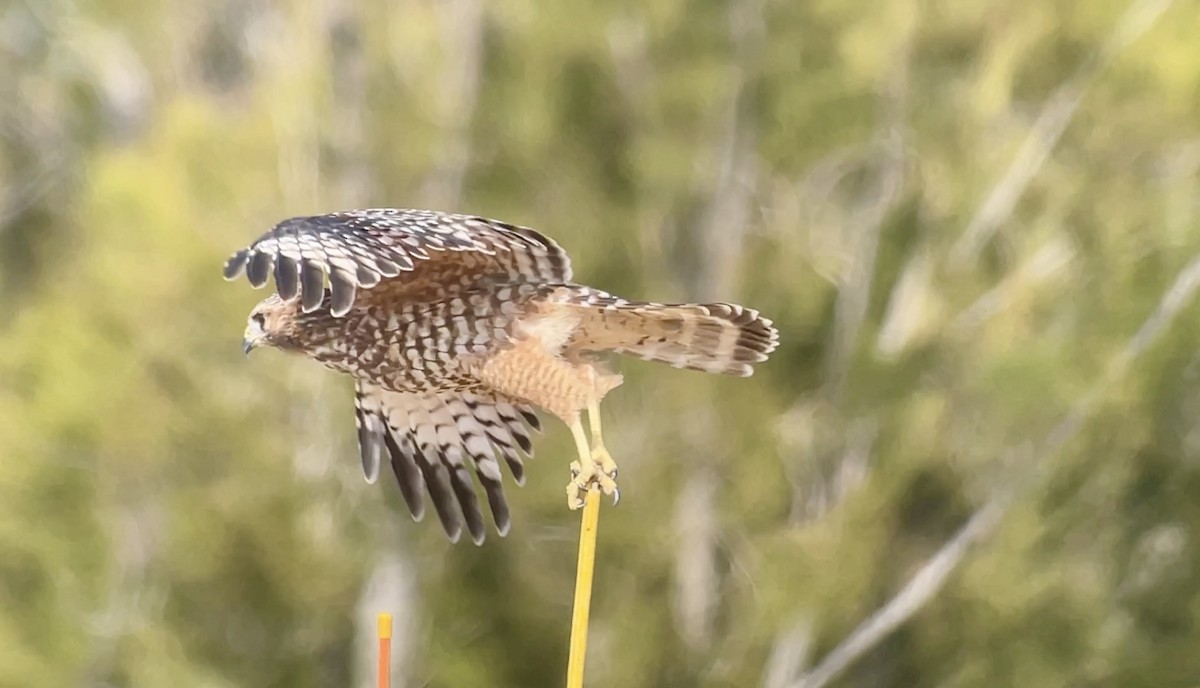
578,486
575,495
606,472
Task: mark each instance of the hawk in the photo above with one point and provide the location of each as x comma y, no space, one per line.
455,328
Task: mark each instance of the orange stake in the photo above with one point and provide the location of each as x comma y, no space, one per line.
385,650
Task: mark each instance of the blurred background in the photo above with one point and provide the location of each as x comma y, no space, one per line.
974,460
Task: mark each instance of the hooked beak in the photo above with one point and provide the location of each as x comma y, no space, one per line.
253,337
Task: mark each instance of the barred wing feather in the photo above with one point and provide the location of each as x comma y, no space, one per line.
361,248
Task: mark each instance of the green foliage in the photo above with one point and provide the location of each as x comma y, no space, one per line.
172,513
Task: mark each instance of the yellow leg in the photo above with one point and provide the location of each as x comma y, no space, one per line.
607,476
583,471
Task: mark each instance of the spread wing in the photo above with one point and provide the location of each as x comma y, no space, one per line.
362,248
434,439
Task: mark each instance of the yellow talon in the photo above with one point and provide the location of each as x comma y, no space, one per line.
606,472
595,466
582,476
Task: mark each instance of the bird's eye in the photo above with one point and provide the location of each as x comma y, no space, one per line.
259,320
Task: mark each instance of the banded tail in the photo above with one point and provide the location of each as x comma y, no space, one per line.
719,338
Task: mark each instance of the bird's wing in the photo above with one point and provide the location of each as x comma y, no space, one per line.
431,439
362,248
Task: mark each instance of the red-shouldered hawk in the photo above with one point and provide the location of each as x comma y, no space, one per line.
454,327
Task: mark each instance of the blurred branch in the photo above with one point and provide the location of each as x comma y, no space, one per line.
788,655
134,596
855,289
930,579
462,23
48,174
1060,108
696,579
842,462
1045,264
353,177
723,227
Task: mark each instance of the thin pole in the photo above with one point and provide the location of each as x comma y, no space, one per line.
385,651
583,587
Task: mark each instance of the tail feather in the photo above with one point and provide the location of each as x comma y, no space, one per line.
711,337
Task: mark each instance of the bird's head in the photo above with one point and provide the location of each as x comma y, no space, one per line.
273,322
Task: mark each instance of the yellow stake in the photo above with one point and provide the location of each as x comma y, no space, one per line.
583,587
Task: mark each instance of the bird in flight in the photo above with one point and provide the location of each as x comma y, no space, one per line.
455,328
